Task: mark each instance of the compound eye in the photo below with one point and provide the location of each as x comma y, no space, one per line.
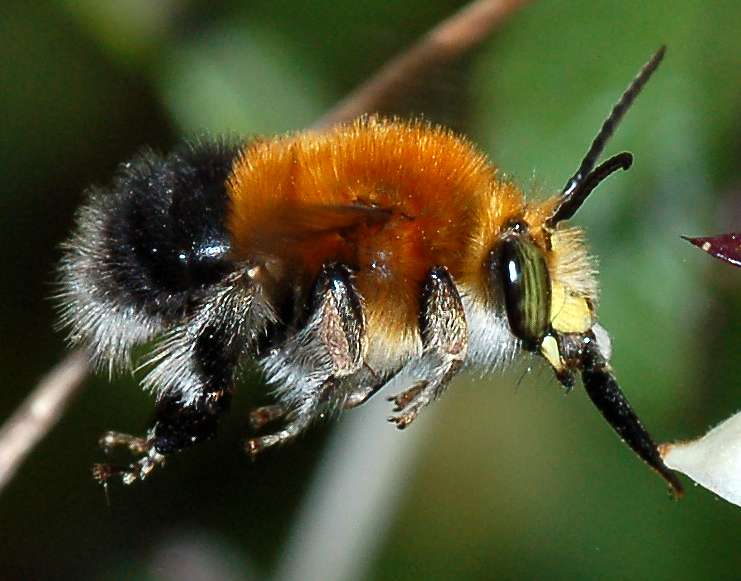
522,268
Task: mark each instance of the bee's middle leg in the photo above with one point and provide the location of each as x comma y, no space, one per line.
310,366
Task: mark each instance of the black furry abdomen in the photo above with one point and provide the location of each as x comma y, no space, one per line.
164,228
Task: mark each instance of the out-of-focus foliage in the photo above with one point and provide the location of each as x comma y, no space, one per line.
514,480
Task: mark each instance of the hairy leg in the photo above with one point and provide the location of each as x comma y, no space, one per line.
192,372
445,339
360,387
309,367
177,426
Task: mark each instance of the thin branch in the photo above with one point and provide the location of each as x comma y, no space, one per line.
448,40
39,413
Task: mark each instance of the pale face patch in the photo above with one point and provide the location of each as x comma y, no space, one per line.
570,313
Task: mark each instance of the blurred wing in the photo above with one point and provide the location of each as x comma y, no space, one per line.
301,225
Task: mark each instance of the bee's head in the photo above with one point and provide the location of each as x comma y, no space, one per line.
546,282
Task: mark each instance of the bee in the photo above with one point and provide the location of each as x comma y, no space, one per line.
376,253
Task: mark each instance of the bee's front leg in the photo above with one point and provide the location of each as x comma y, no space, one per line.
445,339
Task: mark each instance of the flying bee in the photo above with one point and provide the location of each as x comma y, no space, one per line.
377,252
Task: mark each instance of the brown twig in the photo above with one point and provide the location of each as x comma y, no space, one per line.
450,39
39,412
447,41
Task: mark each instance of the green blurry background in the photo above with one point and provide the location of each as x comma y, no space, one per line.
507,478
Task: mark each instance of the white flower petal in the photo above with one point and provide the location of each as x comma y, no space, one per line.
714,461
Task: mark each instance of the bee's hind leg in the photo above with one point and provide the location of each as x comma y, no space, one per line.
309,367
267,414
200,358
445,339
177,426
139,446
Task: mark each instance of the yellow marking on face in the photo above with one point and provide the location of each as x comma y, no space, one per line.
549,350
569,313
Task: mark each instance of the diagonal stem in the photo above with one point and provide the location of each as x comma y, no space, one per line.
39,413
447,41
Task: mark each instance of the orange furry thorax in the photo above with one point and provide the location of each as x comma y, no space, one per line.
390,199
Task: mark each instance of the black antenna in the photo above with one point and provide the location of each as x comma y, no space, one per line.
585,180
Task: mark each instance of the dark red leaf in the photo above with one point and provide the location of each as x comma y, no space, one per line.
724,246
